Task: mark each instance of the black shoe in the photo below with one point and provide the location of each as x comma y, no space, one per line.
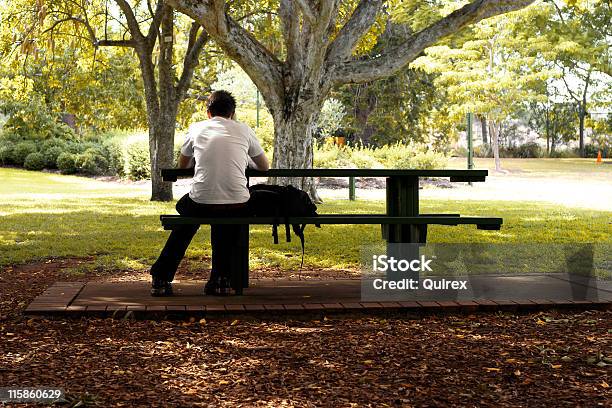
218,287
161,288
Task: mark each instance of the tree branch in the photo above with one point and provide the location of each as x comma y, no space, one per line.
88,27
115,43
154,28
195,46
307,11
290,27
356,27
396,57
131,20
240,45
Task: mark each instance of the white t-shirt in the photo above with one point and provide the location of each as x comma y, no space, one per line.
221,148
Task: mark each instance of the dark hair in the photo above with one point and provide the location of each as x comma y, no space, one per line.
221,103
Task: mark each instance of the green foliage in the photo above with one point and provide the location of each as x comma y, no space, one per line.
138,162
405,107
66,163
32,120
50,155
563,154
396,156
530,150
330,118
92,162
54,142
115,156
363,158
483,150
6,151
34,161
331,156
591,150
21,151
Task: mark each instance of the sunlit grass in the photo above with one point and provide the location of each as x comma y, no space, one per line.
45,215
546,168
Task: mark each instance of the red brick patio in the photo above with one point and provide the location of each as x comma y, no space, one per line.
271,297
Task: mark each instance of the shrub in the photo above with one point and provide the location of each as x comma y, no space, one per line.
563,154
483,150
51,154
62,131
92,161
66,163
422,161
6,151
138,162
591,150
54,142
363,158
21,151
459,151
73,147
115,153
11,136
332,156
530,150
34,161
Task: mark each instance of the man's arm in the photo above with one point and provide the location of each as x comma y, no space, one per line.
184,162
261,162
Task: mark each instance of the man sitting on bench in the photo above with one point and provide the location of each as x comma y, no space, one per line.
222,149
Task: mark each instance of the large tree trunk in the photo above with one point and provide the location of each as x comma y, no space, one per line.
161,150
293,148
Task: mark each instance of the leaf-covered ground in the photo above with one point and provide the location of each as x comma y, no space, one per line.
540,359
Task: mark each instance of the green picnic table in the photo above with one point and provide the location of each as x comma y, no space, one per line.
402,222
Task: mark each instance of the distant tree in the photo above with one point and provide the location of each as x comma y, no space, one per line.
150,30
483,71
556,121
578,34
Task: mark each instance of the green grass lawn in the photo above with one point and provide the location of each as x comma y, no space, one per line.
45,215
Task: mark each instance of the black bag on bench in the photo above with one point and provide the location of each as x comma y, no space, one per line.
281,202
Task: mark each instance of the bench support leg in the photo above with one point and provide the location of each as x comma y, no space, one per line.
403,201
240,264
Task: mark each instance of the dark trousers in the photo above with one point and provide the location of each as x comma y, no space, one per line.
223,238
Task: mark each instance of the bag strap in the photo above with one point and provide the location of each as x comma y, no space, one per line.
275,232
299,231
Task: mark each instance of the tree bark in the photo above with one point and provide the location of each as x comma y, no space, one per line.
494,132
161,151
293,149
363,110
581,116
547,132
483,127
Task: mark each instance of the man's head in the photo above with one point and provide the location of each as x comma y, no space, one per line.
221,103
